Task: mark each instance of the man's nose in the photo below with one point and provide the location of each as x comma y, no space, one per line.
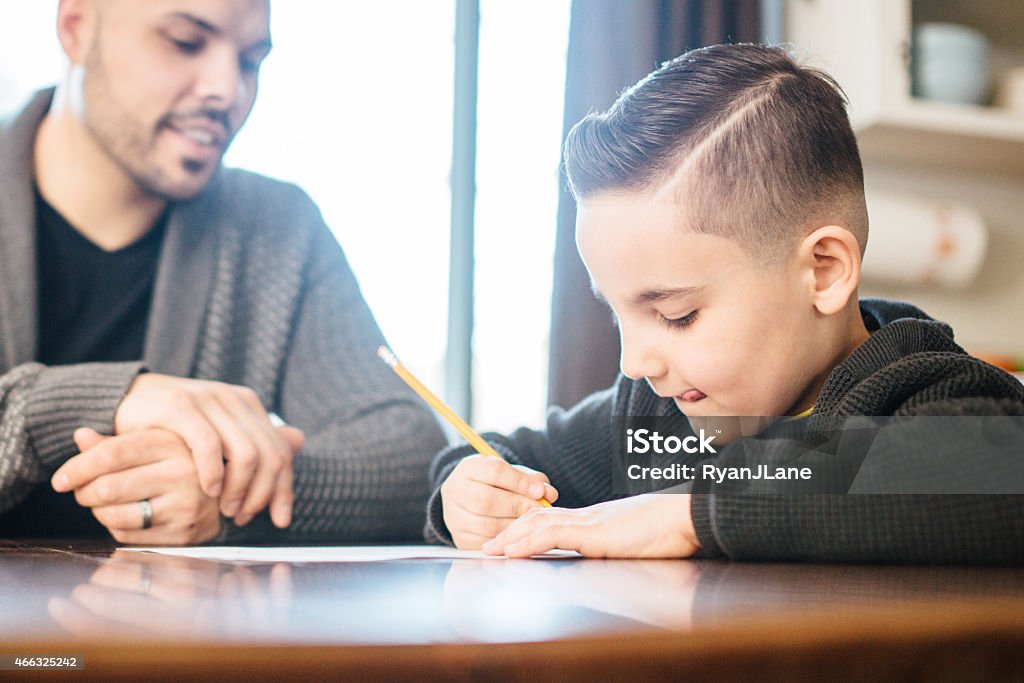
220,82
640,356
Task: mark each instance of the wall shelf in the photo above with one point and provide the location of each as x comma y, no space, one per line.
962,137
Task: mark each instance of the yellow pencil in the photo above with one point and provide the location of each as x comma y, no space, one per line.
474,439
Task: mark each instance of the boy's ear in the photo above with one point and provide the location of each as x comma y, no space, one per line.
831,258
76,26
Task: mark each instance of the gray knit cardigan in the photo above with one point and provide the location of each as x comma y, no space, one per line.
251,289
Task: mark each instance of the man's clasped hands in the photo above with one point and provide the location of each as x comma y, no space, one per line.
195,450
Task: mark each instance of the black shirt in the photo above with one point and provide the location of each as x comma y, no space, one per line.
93,307
93,304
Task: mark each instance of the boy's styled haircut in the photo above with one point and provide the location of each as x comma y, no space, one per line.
760,148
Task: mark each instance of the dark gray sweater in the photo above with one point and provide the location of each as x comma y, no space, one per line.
909,366
251,289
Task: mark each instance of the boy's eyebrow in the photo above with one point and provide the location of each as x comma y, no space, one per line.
651,296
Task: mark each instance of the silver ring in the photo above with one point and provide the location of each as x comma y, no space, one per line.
147,513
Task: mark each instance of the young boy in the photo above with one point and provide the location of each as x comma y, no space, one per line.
721,215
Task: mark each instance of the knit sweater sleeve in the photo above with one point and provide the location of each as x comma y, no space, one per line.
40,407
361,475
897,525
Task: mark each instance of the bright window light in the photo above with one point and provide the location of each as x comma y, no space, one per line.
521,93
355,107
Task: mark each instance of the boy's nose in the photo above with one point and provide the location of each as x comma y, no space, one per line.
640,359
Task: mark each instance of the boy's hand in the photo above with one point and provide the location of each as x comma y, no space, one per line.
220,422
652,525
484,494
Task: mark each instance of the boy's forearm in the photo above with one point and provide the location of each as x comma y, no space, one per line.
919,529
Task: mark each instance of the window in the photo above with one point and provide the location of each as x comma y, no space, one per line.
355,107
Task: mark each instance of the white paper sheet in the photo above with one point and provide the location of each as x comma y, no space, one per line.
381,553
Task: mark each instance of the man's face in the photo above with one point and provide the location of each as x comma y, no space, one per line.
699,318
167,84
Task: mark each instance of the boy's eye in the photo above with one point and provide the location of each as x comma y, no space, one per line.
679,323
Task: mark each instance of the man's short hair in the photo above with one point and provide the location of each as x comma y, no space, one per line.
761,147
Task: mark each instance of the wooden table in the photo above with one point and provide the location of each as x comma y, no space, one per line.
133,616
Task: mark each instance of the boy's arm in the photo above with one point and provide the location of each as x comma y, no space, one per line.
40,407
956,446
943,529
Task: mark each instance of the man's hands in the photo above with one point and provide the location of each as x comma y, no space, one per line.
483,495
113,473
652,526
220,422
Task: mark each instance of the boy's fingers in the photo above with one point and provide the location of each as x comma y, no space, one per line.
485,501
479,525
466,541
550,493
496,472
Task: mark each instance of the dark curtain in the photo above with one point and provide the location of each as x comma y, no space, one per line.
612,44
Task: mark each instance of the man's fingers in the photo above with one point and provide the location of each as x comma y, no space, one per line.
240,451
85,438
283,500
293,436
127,486
125,516
110,455
207,448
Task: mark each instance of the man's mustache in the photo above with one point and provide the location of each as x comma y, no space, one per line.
217,116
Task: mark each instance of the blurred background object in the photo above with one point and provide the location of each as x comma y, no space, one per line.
921,153
950,63
923,242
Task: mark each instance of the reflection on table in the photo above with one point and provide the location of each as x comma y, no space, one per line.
101,593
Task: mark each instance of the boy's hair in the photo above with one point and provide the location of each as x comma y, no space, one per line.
761,147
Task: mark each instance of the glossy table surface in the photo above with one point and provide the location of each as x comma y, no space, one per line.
535,619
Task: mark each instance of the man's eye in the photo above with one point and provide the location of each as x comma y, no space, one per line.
679,323
189,47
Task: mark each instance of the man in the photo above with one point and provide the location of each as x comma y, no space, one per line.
148,294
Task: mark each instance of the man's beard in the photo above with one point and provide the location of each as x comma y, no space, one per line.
128,142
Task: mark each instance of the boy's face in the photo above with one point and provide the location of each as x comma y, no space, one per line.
699,318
